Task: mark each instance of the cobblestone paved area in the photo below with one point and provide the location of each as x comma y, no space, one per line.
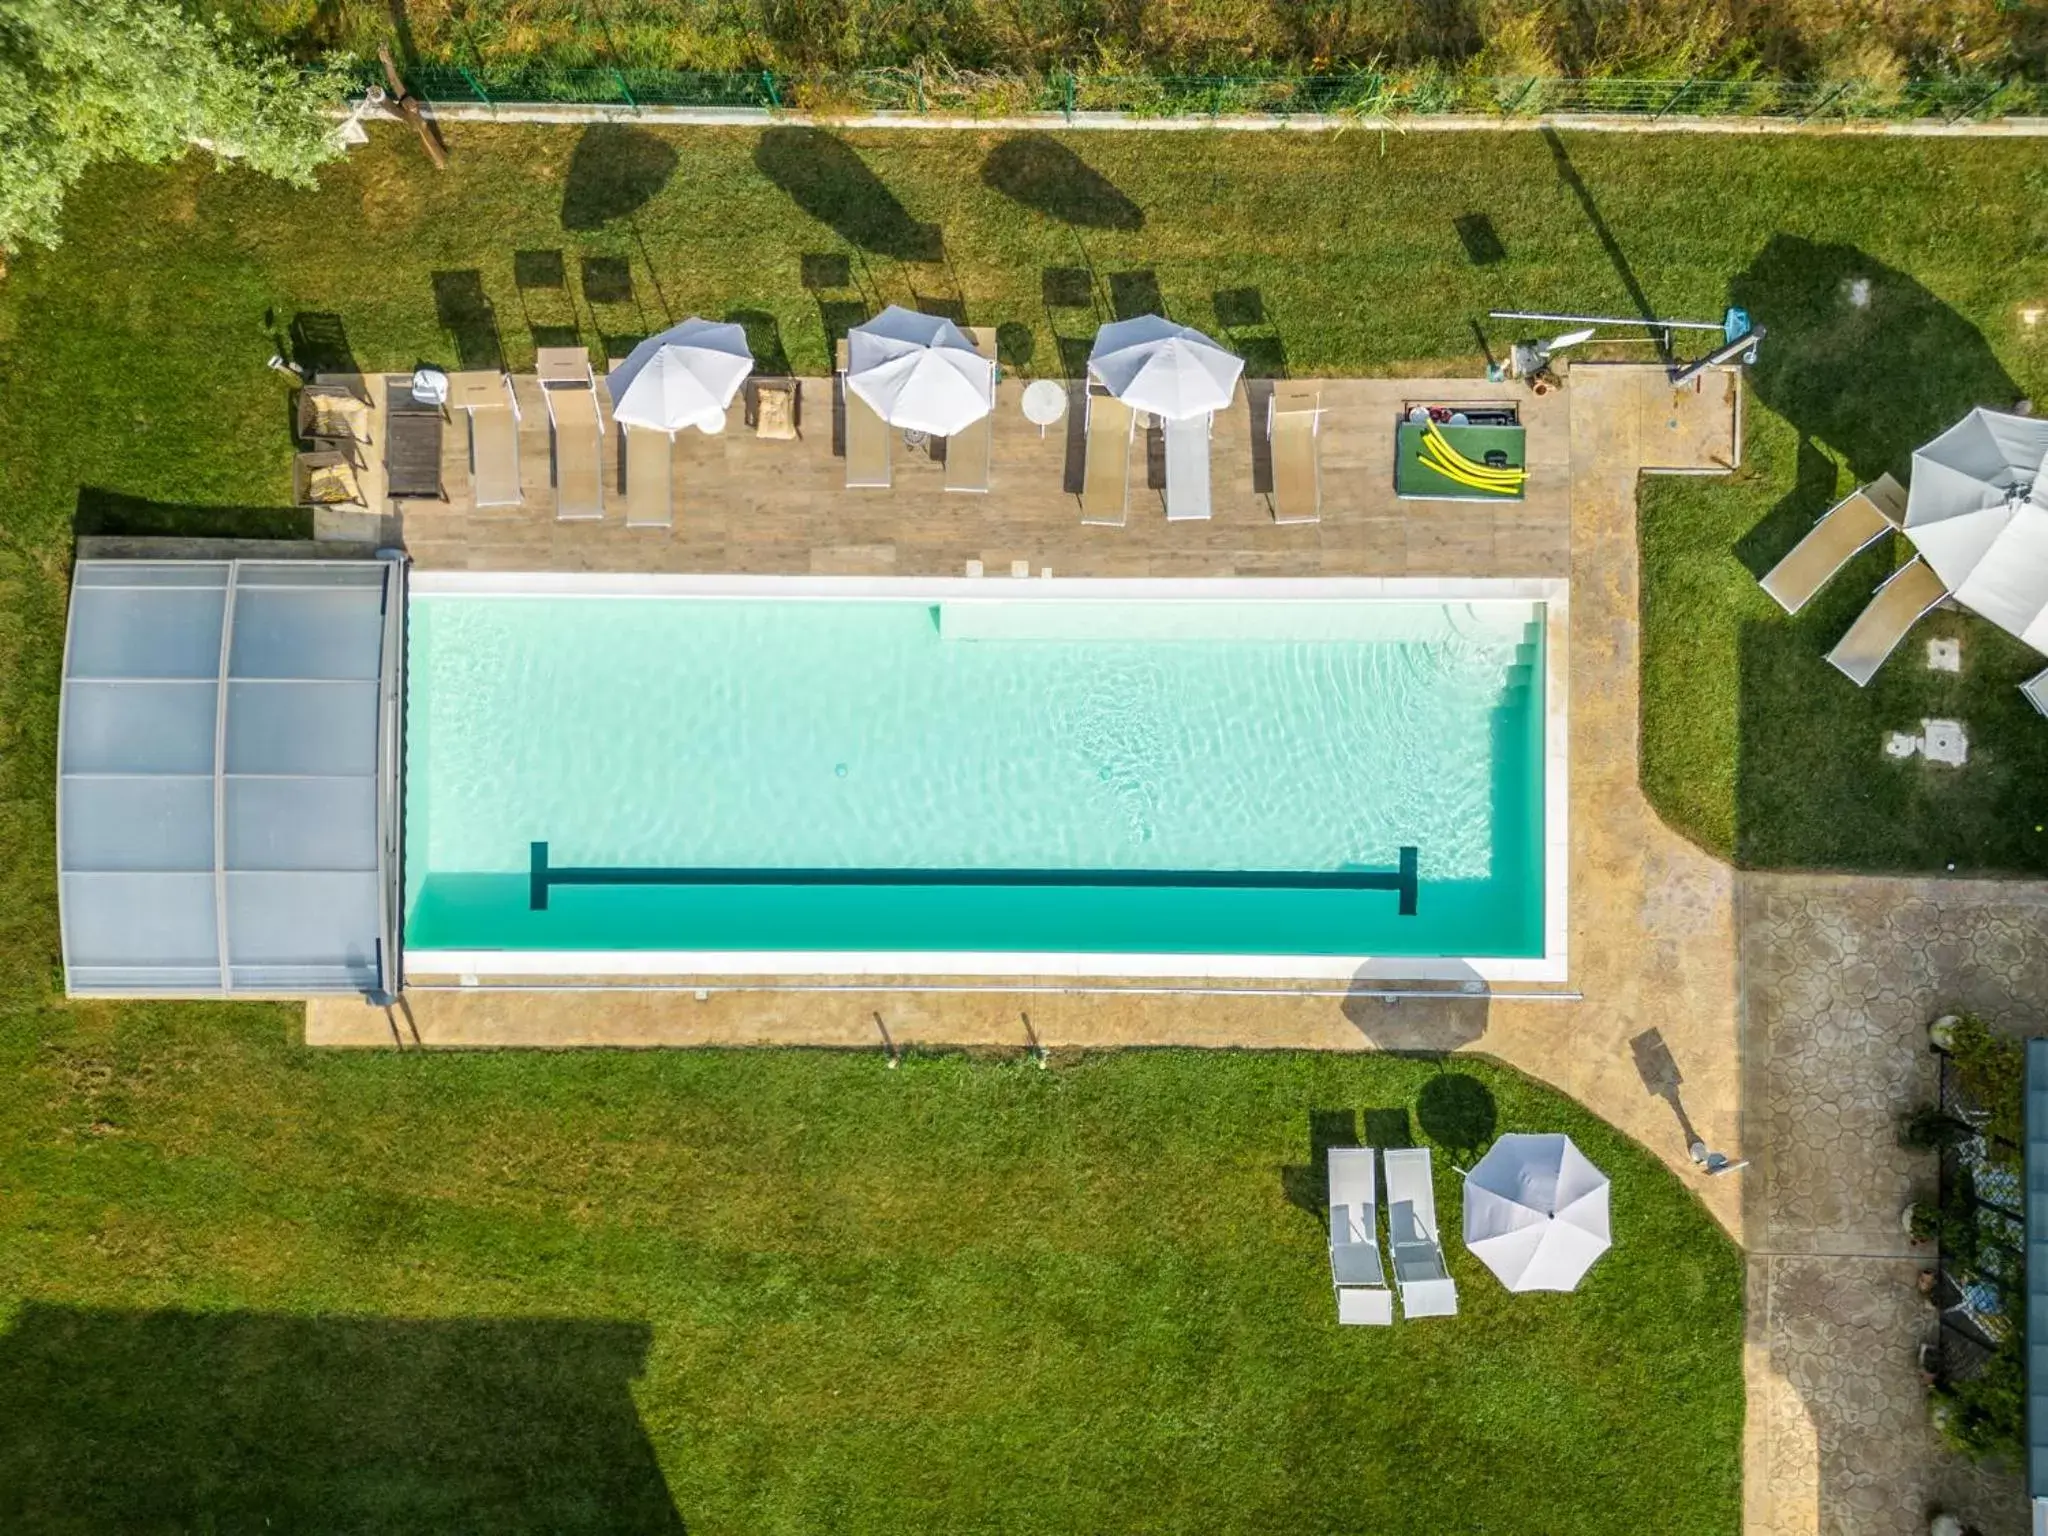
1840,977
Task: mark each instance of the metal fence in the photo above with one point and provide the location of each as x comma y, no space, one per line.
1360,94
1979,1288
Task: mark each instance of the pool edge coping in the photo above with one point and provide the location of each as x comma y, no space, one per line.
1551,966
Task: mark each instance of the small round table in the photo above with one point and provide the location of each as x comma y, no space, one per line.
1045,402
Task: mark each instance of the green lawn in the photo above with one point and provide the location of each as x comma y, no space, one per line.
811,1294
790,1291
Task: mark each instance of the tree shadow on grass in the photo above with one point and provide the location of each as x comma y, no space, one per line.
828,181
243,1421
101,513
1040,172
615,170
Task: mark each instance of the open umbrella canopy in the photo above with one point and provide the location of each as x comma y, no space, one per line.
919,372
685,377
1977,510
1171,370
1536,1212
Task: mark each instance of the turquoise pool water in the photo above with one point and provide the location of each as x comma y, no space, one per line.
1215,776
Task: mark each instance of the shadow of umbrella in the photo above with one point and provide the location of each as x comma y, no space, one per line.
1040,172
825,178
614,171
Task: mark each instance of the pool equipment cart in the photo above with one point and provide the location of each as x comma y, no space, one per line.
1739,337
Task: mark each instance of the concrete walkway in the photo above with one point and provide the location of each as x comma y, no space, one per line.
1841,976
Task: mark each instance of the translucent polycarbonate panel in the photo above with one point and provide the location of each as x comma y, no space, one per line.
301,823
328,728
139,823
138,727
303,918
141,920
313,573
169,632
306,632
150,573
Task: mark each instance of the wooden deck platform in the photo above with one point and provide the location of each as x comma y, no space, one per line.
766,507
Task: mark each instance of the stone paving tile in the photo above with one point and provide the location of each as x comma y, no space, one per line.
1840,976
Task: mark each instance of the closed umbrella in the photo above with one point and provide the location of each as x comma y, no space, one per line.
685,377
1536,1212
1977,510
1171,370
919,372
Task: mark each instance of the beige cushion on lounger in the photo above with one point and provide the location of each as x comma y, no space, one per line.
1293,421
1106,478
1852,525
326,479
1897,607
650,478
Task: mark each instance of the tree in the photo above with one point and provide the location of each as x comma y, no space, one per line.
83,81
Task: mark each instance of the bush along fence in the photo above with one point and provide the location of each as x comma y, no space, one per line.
1363,94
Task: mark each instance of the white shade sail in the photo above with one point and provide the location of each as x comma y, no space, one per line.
685,377
919,372
1171,370
1977,510
1536,1212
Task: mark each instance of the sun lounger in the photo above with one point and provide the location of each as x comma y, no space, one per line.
1294,419
1427,1289
493,412
575,432
1106,480
968,453
1187,469
650,478
1899,604
867,438
1851,526
1355,1268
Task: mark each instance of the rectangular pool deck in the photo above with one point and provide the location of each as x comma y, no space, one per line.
764,507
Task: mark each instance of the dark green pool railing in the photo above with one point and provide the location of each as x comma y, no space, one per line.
1404,880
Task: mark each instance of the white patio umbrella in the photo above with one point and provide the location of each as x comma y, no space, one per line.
1170,370
1536,1212
1977,510
685,377
919,372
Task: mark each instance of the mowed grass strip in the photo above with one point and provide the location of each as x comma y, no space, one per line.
797,1291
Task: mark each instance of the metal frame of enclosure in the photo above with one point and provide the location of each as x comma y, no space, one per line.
228,770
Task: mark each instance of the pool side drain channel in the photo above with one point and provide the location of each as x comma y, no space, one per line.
1402,880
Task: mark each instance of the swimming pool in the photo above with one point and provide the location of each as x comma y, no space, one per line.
660,772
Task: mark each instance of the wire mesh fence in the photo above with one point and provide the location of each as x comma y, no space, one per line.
1360,94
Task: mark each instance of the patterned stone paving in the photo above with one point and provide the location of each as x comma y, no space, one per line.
1840,977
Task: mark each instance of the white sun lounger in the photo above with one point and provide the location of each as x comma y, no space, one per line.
575,430
1899,604
1851,526
1355,1268
969,452
1427,1289
1187,469
867,437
